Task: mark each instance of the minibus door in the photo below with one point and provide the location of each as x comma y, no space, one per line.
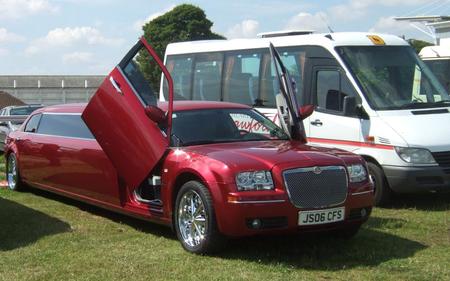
122,116
335,121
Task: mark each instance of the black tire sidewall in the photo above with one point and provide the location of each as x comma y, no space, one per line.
18,182
382,193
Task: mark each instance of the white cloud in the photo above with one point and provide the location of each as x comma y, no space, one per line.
305,21
13,9
70,36
137,25
77,57
391,26
3,52
9,37
357,9
245,29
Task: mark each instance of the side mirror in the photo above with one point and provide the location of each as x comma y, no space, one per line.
306,111
155,114
349,107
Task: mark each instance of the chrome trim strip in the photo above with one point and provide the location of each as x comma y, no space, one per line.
363,192
258,202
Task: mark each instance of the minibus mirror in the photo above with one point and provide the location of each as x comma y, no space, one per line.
306,111
155,114
349,107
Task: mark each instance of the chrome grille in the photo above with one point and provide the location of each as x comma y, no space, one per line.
443,159
316,187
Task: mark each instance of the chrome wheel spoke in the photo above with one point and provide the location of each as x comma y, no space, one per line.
192,218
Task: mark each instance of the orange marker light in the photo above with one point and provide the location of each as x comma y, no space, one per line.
376,40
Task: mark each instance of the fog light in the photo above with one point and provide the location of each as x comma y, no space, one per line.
363,212
256,223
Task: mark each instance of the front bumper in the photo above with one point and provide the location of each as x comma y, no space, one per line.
417,179
282,217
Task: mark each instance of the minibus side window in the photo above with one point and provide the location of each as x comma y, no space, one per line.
241,77
180,68
294,59
207,76
331,89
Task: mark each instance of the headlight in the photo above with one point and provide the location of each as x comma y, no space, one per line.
357,173
256,180
415,155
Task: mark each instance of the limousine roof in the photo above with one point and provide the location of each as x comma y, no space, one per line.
177,106
329,40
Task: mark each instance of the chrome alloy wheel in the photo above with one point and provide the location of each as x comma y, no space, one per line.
192,218
12,172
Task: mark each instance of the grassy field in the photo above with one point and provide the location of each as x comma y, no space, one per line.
47,237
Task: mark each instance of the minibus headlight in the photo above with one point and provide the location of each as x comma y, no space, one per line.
357,173
255,180
415,155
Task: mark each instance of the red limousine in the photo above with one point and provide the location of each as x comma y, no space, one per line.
190,165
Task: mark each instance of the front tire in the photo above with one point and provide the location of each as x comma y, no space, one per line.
12,174
195,220
383,193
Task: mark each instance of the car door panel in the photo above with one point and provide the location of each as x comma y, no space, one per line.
116,117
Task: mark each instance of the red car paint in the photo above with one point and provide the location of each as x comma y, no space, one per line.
80,169
130,148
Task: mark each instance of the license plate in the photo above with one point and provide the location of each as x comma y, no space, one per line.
321,216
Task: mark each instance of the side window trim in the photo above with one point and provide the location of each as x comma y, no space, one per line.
316,70
62,135
38,115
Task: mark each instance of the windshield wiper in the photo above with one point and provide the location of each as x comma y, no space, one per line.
442,102
415,105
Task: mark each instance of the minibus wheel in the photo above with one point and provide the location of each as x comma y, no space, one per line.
195,220
383,192
12,173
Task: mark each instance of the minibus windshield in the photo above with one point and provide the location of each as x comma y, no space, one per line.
205,126
393,77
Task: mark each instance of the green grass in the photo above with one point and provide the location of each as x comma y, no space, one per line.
47,237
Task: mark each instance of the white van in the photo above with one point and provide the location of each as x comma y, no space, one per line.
373,96
438,60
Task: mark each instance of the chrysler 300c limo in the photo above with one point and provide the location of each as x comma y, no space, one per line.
209,169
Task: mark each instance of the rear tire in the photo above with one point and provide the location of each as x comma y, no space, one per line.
12,174
383,193
195,220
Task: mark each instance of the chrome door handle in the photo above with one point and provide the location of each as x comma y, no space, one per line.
317,122
115,85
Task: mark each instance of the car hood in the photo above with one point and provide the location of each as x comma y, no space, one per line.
266,154
420,130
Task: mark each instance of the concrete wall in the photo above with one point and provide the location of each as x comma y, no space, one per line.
51,89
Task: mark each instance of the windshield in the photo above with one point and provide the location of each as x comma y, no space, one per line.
204,126
393,77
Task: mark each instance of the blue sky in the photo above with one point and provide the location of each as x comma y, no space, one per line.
91,36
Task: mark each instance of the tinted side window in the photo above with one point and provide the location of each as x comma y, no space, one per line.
64,125
180,68
33,123
331,89
207,76
241,78
137,70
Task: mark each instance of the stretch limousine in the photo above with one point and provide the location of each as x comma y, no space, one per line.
190,164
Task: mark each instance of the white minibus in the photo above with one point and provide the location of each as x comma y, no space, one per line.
372,93
437,58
